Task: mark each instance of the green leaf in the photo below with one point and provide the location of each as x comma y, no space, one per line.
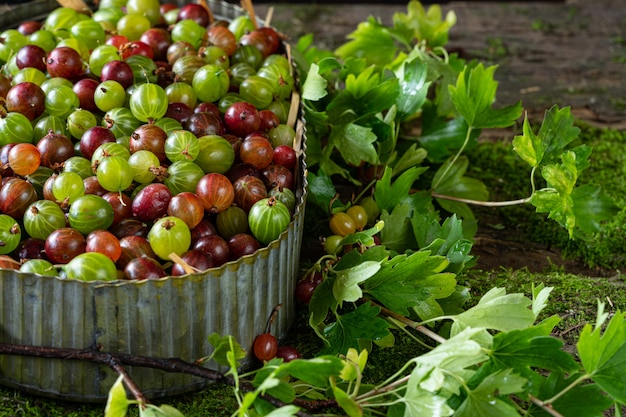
348,405
388,195
321,302
532,347
421,403
556,132
322,192
540,297
529,146
498,311
413,88
223,345
362,323
485,399
162,411
346,287
473,97
354,142
442,136
449,362
397,234
266,381
411,157
284,411
427,26
591,208
314,86
577,401
557,198
364,237
117,402
371,40
316,371
406,281
603,355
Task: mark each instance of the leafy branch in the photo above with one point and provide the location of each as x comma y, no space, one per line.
359,100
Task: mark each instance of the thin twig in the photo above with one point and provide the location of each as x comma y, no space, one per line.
174,365
410,323
546,407
128,381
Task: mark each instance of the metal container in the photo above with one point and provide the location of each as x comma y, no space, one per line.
169,317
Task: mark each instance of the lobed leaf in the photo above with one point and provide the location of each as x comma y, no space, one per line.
603,355
346,286
485,400
498,311
362,323
117,402
224,344
370,40
413,88
473,97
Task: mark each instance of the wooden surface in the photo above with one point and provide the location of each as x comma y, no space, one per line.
570,53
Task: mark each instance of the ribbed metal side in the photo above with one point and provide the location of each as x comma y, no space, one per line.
171,317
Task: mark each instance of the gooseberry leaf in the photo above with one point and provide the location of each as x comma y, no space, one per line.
354,143
315,371
453,358
603,355
413,88
314,86
443,136
224,344
117,401
266,382
354,361
496,310
284,411
473,97
388,195
322,192
540,297
406,280
556,132
163,411
348,404
411,157
591,208
365,237
362,323
485,400
427,26
533,347
371,40
321,302
346,286
397,234
573,400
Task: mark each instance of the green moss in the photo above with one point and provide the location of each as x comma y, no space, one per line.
574,298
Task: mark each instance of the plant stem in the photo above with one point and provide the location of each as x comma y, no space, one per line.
424,330
483,203
383,390
565,390
545,406
453,161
